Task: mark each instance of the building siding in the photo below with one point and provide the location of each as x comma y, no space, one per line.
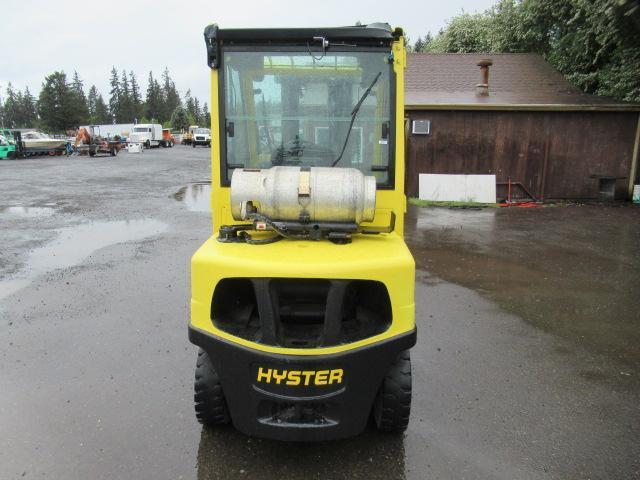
555,155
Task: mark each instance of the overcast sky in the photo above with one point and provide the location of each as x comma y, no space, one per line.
91,37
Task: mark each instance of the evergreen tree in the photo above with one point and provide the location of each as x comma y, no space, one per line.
196,109
126,105
154,99
115,95
29,109
419,45
101,114
80,100
170,96
422,44
92,98
190,105
180,119
57,104
136,100
11,108
206,116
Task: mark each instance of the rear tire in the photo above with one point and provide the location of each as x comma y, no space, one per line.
393,404
210,404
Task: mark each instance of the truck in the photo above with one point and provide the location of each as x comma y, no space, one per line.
168,140
147,134
201,136
302,296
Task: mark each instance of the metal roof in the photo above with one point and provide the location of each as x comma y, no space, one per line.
517,81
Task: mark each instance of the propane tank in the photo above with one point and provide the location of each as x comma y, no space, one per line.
318,194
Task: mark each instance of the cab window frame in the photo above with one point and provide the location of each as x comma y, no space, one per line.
225,177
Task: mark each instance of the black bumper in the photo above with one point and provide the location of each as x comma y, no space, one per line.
267,396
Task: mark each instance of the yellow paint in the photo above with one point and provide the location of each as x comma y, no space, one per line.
302,378
384,258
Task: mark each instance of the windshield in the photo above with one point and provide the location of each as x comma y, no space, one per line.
295,108
141,129
202,130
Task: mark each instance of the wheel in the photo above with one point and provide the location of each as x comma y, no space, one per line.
92,153
210,404
147,144
393,403
113,152
193,145
170,144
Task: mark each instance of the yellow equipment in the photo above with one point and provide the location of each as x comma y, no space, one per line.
187,137
303,298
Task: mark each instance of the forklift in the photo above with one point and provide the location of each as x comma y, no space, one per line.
302,299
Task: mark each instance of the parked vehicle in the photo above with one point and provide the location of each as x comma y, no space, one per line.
39,140
38,143
89,142
168,139
7,145
302,300
187,138
148,134
201,136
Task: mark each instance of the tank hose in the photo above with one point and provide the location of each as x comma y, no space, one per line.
260,241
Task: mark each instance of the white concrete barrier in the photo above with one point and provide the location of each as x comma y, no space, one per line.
457,188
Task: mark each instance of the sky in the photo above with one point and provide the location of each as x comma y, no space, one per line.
90,37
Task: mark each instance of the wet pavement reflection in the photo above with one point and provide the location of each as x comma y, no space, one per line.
28,212
225,453
74,244
196,196
571,271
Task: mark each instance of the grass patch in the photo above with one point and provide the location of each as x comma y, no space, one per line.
429,203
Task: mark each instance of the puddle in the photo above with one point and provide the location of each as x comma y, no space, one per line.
28,212
75,244
196,196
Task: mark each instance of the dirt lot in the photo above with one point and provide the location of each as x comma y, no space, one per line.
526,366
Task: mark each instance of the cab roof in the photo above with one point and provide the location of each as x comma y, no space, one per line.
371,35
375,32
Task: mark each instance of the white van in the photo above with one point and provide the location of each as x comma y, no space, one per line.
147,134
201,136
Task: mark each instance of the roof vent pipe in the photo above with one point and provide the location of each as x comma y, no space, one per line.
482,89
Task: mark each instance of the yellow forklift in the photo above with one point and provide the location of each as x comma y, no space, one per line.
302,299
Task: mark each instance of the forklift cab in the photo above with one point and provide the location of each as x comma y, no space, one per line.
305,338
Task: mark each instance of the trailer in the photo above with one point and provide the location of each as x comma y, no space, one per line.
89,142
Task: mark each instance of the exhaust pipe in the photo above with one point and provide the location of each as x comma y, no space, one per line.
482,89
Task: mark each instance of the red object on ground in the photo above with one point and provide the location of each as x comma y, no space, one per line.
521,204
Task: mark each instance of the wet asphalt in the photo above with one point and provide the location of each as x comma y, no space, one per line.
526,366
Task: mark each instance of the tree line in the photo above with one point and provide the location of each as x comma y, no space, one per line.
595,44
62,103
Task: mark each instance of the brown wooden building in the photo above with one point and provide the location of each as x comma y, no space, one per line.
523,122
